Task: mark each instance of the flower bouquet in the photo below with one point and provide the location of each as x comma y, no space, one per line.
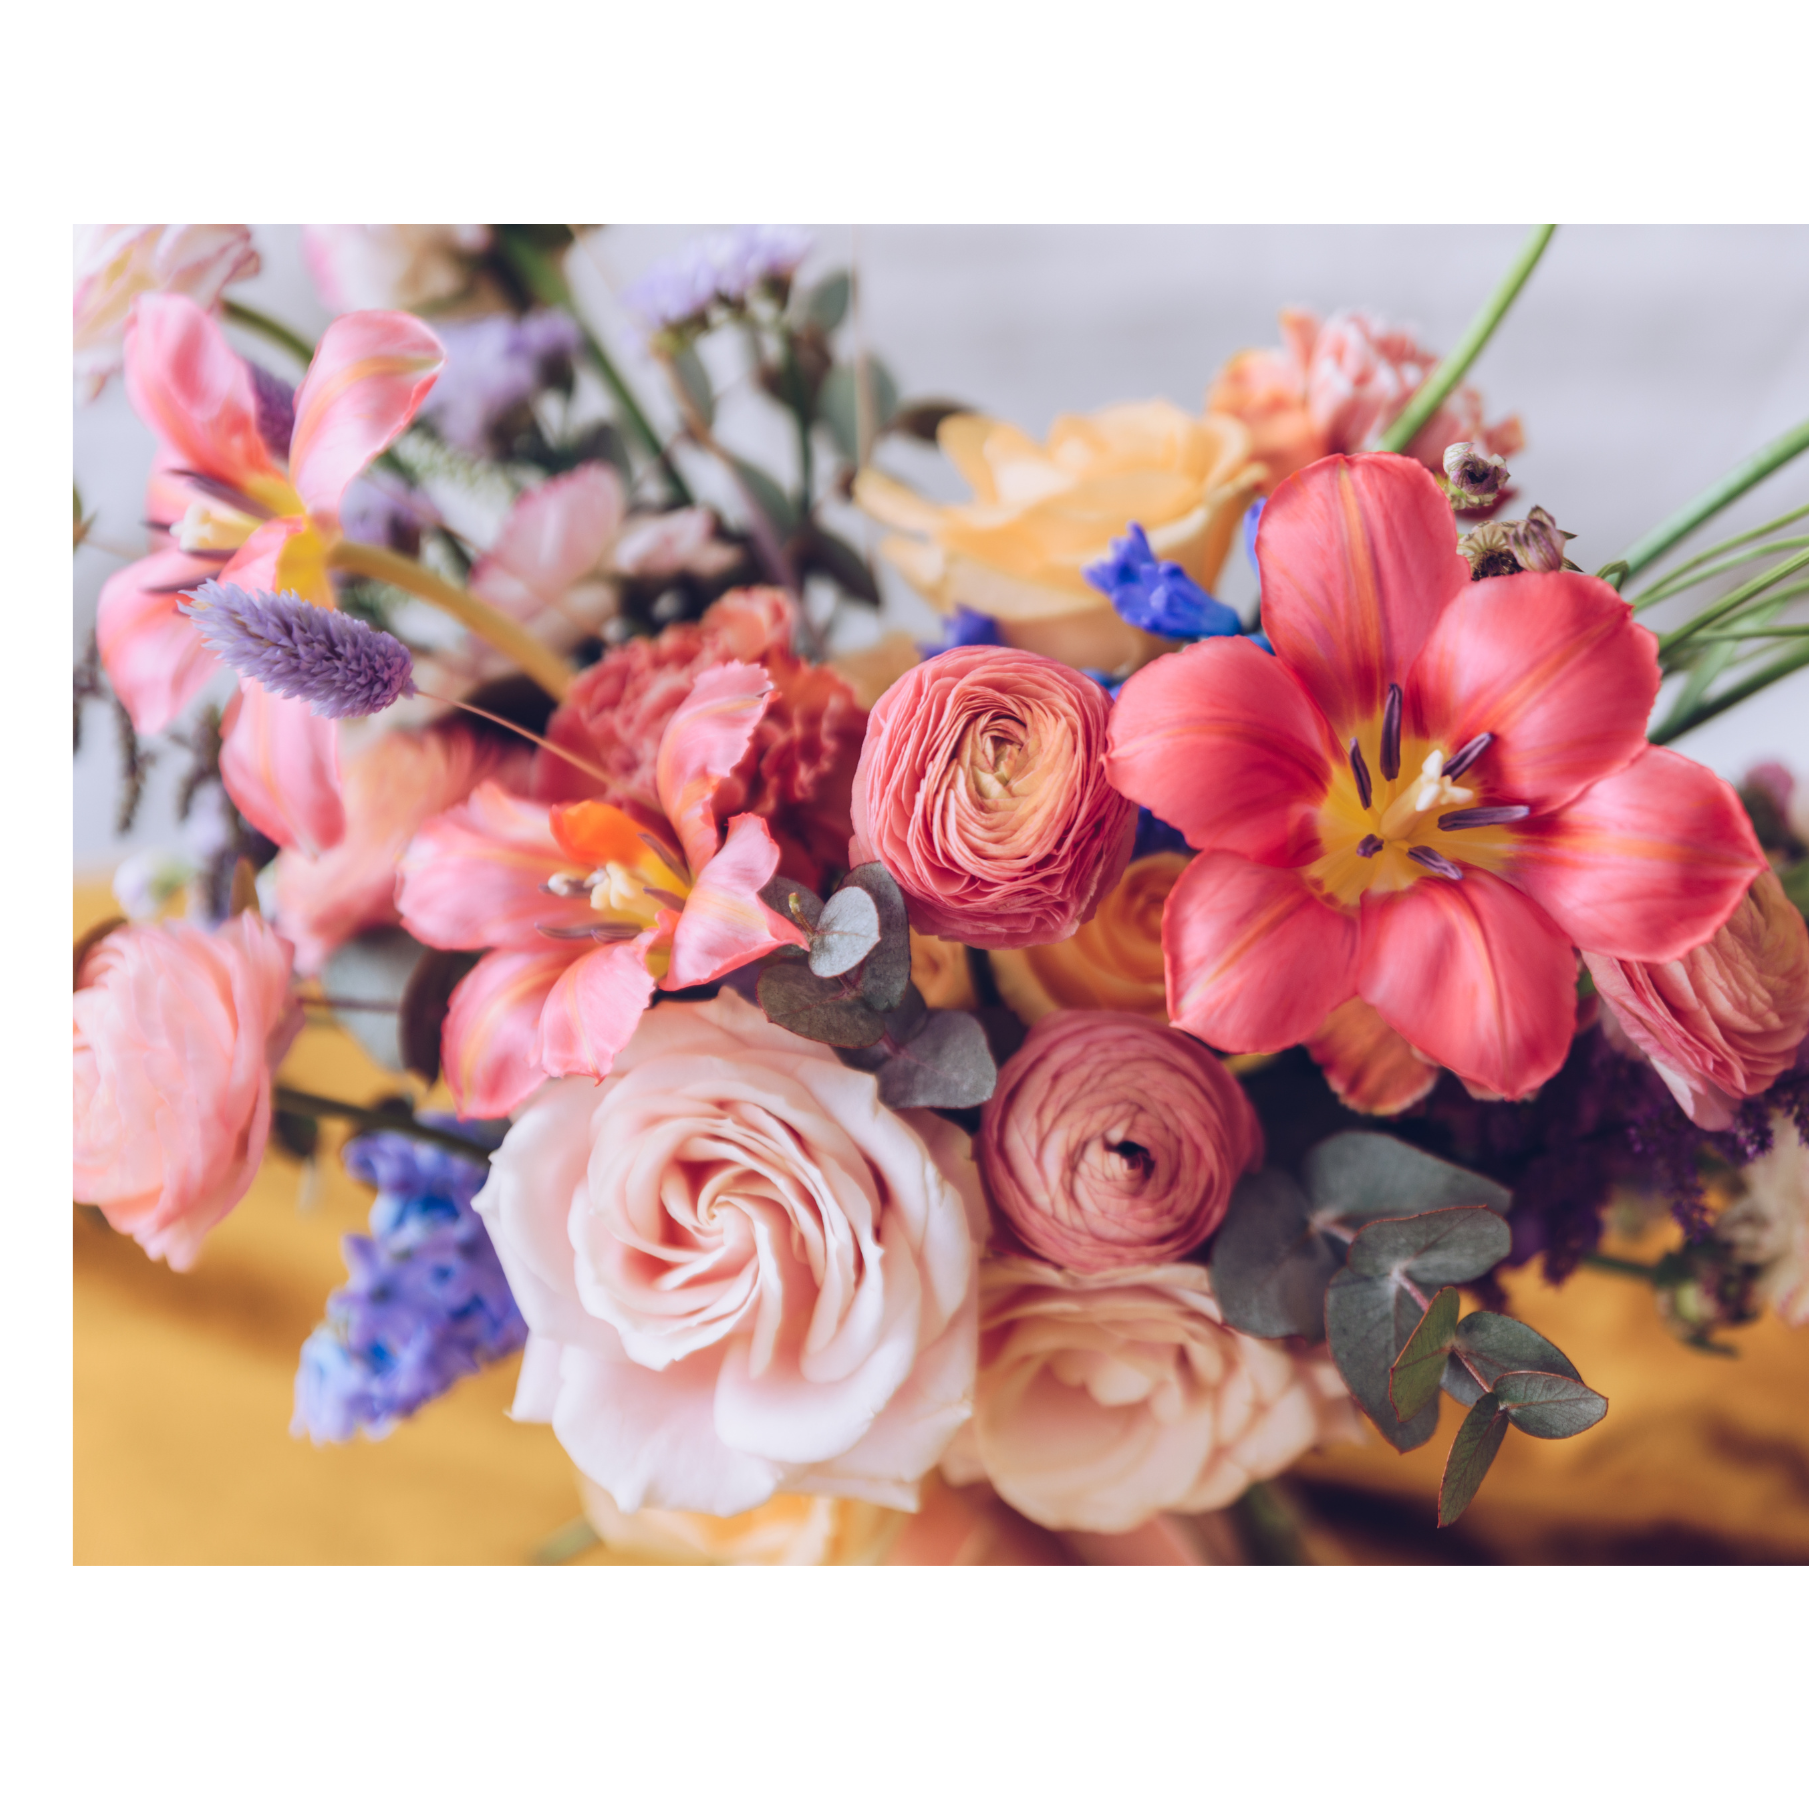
998,1098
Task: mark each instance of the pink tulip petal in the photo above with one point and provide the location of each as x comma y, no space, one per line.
554,535
1255,959
1475,976
279,763
369,375
1359,559
285,554
1646,863
153,655
594,1007
1222,742
703,743
489,1047
724,924
474,877
1554,666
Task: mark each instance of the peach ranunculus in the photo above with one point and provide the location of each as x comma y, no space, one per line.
1105,1399
1724,1020
1113,963
1370,1067
1111,1142
982,788
1039,514
741,1273
391,266
177,1031
1335,387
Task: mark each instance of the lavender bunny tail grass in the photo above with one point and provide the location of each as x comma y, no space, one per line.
336,664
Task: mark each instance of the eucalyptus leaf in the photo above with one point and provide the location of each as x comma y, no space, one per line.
1270,1265
1368,1321
836,404
846,932
1495,1344
689,369
920,420
947,1063
370,974
1472,1451
1419,1368
902,1023
827,302
791,995
1357,1176
1450,1243
771,501
888,969
426,999
792,900
1549,1406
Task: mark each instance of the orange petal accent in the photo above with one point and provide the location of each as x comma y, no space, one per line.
1371,1067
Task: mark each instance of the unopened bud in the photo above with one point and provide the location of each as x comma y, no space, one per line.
1473,478
1539,543
1490,551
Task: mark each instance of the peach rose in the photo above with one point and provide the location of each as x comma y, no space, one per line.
741,1273
787,1529
177,1032
982,787
1724,1021
1111,1141
1113,963
1103,1400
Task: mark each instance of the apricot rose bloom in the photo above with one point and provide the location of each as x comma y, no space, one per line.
982,787
741,1273
177,1032
1429,797
1724,1020
1111,1142
1042,512
1105,1399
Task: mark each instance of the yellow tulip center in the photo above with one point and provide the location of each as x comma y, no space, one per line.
623,872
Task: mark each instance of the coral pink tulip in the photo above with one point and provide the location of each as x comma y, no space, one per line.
1428,798
586,907
231,510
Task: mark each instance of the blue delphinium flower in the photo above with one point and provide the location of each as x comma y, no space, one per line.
426,1301
1156,595
965,628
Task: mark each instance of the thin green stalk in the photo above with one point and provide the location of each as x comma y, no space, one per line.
1759,634
1676,584
266,328
1793,661
1734,540
375,1118
800,413
1733,602
1618,1265
1653,546
1450,372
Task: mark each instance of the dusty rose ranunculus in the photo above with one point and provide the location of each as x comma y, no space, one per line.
1111,1142
1104,1399
177,1031
1723,1021
982,788
741,1273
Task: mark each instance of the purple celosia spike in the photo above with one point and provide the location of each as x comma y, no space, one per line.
1434,862
336,664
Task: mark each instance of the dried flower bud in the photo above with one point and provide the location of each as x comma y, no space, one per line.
1489,551
1703,1287
1474,479
1538,542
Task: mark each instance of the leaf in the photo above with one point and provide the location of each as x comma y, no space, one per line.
888,969
836,404
778,894
1270,1265
902,1023
1550,1406
846,932
1368,1321
1357,1176
1417,1371
1451,1243
946,1064
838,561
369,977
823,1010
1472,1451
425,1001
826,303
296,1132
768,498
1495,1344
920,420
695,380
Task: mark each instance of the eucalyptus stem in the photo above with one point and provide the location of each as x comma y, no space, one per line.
1618,1265
1423,404
266,328
375,1118
1783,667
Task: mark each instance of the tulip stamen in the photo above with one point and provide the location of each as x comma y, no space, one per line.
1467,755
1370,847
1434,862
1486,817
1391,734
1359,770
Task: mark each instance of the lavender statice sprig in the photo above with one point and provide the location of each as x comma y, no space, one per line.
336,664
726,268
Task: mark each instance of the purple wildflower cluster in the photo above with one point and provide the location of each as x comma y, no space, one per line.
426,1302
276,410
1156,595
494,366
726,267
338,665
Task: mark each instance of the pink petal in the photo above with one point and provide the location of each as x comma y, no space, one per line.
1222,742
1475,976
593,1008
1255,959
489,1047
1359,559
724,923
280,765
703,743
554,535
473,877
154,657
1554,666
369,375
285,554
1646,863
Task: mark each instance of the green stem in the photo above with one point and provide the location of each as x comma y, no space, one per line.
1759,634
375,1118
1793,661
1728,545
1679,582
800,412
1426,399
1619,1265
1733,602
1653,546
273,330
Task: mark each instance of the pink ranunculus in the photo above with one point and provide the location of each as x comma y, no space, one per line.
1105,1399
982,787
741,1273
391,266
177,1032
1112,1142
1725,1019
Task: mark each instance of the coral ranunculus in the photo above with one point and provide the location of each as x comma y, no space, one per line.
177,1031
982,788
1432,794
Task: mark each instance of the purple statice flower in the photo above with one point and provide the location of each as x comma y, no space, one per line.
965,628
426,1301
1156,595
276,410
725,267
494,365
336,664
383,513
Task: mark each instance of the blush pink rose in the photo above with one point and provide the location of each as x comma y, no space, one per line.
1112,1142
1103,1400
1723,1021
741,1273
177,1032
982,788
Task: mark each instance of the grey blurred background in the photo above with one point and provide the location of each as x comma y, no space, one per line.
1642,361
